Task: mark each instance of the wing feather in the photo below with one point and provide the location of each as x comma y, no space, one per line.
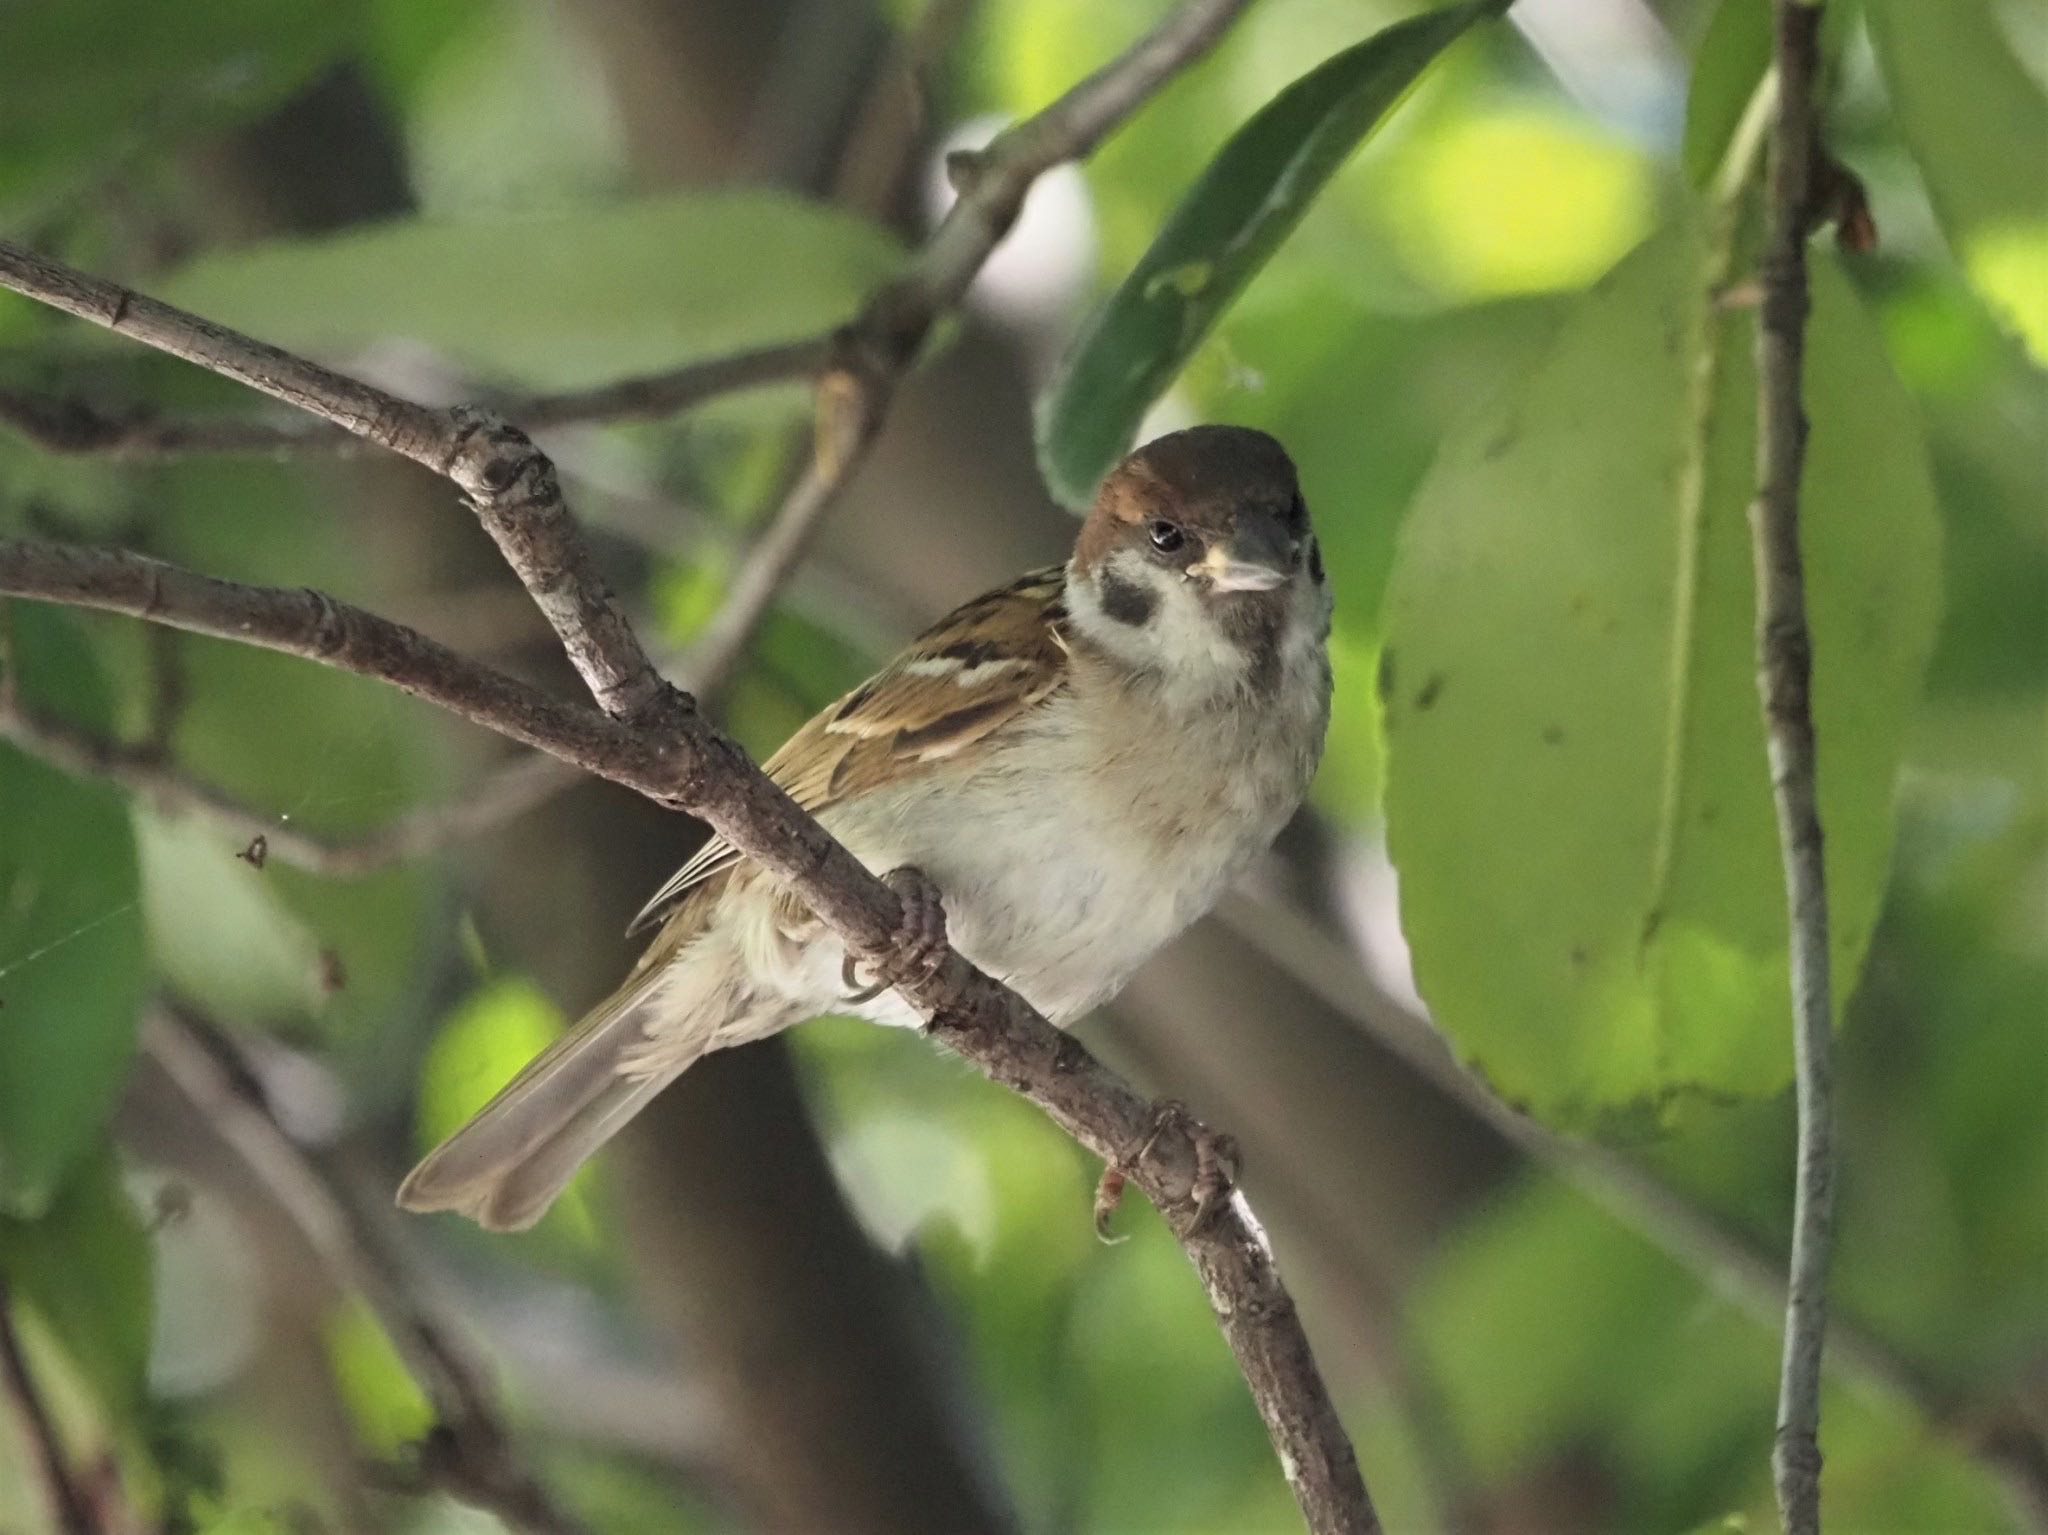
964,678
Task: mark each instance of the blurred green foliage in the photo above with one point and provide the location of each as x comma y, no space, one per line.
70,931
87,85
1512,251
557,299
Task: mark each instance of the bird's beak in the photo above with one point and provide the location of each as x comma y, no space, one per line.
1258,556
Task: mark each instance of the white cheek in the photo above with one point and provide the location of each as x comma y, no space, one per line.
1180,640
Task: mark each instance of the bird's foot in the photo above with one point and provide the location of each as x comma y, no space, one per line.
918,946
1218,1162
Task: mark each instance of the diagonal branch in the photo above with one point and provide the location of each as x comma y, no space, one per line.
316,627
648,737
687,764
1784,683
509,483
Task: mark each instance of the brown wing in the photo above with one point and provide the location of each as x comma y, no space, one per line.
969,674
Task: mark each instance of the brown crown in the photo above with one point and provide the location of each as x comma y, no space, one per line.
1200,478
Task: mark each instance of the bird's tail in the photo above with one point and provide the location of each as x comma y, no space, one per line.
506,1165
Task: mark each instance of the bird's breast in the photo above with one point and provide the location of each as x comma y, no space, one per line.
1085,840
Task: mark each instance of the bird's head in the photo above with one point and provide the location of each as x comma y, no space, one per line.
1197,556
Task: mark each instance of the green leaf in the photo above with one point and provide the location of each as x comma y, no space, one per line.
1727,68
557,299
152,75
71,960
1577,795
1975,120
83,1265
385,1404
1251,195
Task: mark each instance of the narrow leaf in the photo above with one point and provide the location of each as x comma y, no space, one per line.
1244,204
1727,68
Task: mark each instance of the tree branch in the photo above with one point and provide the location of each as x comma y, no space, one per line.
848,418
650,738
692,766
470,1451
510,484
1784,679
873,354
316,627
69,1506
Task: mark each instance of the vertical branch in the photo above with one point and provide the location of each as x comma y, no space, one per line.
1784,682
70,1509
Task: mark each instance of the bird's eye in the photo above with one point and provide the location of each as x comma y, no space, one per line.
1167,536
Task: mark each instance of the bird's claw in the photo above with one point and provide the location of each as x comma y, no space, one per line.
918,945
1217,1164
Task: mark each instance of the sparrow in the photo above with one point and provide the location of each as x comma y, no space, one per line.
1058,777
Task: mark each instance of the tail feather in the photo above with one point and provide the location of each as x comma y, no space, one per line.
508,1163
519,1195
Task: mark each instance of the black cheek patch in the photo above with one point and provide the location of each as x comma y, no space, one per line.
1315,562
1125,601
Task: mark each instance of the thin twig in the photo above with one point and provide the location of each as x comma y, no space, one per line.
1784,680
654,396
872,355
500,796
69,1505
470,1452
846,423
75,427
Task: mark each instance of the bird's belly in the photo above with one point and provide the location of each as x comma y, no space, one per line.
1067,925
1061,907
